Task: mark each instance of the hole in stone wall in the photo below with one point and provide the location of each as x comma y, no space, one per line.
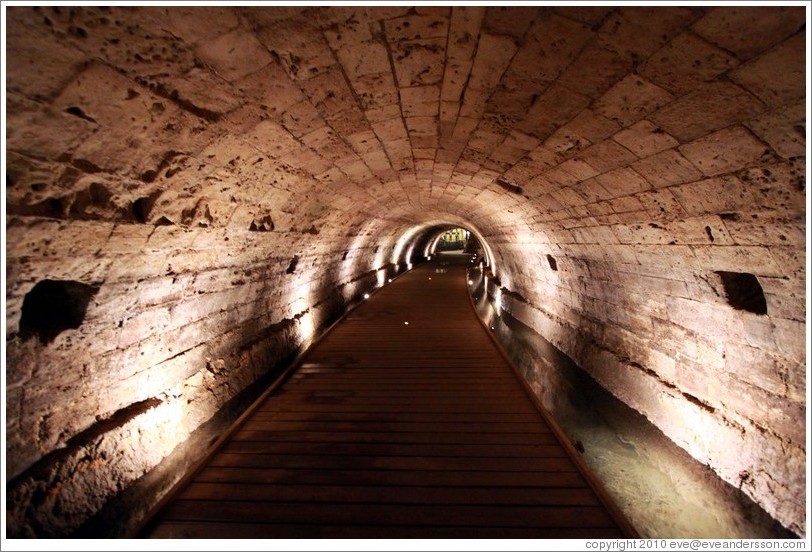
141,209
344,256
509,186
53,306
743,291
263,223
292,266
77,112
142,206
709,232
553,264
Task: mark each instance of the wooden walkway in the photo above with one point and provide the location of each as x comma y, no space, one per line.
405,421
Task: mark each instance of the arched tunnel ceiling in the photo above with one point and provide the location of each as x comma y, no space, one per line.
396,113
217,176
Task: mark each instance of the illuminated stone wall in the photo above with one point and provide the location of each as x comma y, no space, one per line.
208,187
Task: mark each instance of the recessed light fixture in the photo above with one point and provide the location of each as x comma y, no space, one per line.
405,323
366,296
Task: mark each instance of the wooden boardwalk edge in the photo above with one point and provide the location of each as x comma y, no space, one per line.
598,488
142,529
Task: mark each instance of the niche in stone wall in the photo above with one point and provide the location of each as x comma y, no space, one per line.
552,263
53,306
743,292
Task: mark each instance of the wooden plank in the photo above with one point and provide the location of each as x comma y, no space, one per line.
397,427
372,437
389,449
389,514
212,530
418,385
439,408
414,463
405,402
494,496
468,417
213,474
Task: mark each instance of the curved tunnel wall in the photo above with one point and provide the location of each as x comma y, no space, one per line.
225,208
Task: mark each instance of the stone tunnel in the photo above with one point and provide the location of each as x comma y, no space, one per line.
193,194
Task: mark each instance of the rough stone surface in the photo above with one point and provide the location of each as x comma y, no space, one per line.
180,159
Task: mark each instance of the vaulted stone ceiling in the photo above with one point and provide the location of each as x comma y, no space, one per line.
200,167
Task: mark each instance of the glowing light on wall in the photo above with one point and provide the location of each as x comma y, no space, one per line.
409,253
380,277
168,414
307,326
497,301
164,424
431,247
301,310
402,242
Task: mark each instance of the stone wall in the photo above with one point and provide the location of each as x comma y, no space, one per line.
206,187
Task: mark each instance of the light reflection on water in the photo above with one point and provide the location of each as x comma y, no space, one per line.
663,491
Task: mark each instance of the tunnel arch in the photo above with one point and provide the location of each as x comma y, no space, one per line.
424,236
645,152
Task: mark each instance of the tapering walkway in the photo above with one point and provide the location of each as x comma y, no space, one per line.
404,421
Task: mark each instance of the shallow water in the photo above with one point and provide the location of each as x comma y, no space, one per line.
662,490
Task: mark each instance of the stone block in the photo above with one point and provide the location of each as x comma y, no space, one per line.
623,181
301,118
645,139
666,169
508,21
345,26
756,260
606,156
640,31
464,27
707,108
784,129
725,151
713,195
299,45
494,52
329,92
765,27
219,54
199,23
367,58
597,68
685,63
631,99
33,69
556,106
419,62
550,45
376,93
420,101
